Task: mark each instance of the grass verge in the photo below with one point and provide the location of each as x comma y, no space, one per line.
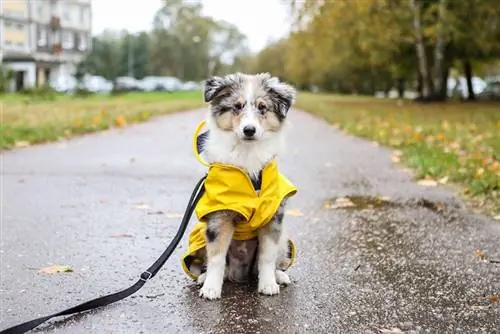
25,122
452,142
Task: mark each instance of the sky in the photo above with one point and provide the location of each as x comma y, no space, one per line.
260,20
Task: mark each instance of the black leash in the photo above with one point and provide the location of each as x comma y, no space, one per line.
145,276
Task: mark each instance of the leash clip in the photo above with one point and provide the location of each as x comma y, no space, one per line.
145,276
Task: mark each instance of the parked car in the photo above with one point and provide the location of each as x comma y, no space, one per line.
97,84
149,84
127,84
459,87
156,83
491,92
63,83
191,85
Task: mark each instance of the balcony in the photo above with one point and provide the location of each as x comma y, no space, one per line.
55,23
57,48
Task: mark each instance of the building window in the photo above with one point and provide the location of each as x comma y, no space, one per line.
14,34
41,36
14,8
68,41
40,8
83,15
14,25
82,43
66,12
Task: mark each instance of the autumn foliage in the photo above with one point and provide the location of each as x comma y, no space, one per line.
375,45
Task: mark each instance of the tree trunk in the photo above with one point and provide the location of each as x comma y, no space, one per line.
420,48
401,87
443,92
439,50
419,84
468,76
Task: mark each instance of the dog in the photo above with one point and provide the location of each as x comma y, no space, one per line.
247,119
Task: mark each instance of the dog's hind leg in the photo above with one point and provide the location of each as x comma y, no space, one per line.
282,278
219,233
269,237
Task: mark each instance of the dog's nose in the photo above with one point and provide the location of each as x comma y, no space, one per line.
249,130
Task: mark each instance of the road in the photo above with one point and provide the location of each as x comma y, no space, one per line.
107,204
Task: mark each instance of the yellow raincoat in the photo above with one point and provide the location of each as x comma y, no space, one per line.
230,188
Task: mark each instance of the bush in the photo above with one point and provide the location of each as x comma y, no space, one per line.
82,92
40,93
5,76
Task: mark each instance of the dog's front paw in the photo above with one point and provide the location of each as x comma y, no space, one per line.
282,278
210,292
269,288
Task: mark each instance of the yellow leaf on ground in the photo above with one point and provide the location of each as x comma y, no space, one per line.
444,180
341,202
173,215
22,143
427,183
142,206
120,121
294,213
497,217
395,159
55,269
481,254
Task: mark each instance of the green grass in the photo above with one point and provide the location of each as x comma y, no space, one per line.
26,122
454,142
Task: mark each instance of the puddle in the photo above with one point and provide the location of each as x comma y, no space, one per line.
356,202
359,202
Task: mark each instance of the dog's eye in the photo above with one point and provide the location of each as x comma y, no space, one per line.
238,106
261,107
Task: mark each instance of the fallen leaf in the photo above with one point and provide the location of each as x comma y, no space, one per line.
443,180
481,254
341,202
120,121
494,298
396,159
173,215
427,183
22,143
393,330
294,213
142,206
124,235
497,217
55,269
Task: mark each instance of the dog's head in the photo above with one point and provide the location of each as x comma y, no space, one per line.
252,107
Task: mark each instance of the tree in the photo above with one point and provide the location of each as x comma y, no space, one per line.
104,58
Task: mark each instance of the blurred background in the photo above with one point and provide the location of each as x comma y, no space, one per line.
429,49
400,73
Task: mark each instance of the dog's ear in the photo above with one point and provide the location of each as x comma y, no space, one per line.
213,86
283,94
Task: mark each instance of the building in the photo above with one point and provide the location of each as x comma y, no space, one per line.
43,40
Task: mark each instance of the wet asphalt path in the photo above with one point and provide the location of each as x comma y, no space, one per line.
107,205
